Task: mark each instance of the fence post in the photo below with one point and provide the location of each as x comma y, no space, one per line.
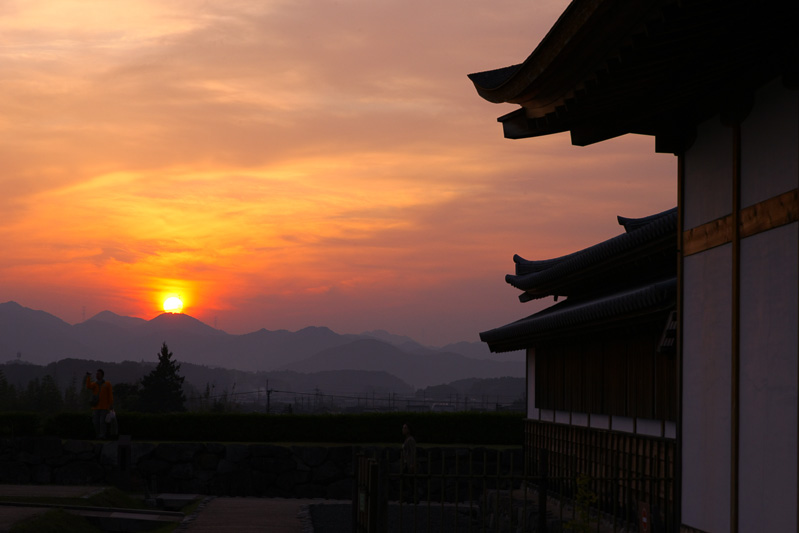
355,489
382,494
372,500
543,471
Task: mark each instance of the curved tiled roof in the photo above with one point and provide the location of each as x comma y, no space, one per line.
582,28
574,314
635,223
654,67
545,278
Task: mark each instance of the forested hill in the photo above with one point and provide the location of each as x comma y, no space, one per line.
70,373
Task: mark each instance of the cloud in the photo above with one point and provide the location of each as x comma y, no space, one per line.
305,156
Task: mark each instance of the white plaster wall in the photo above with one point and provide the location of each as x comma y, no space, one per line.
600,421
648,427
707,370
562,417
621,424
624,423
580,419
547,415
708,168
769,137
645,426
768,385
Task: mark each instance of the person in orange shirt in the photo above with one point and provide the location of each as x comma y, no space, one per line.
102,401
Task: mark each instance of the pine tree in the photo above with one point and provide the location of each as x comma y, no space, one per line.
8,394
49,399
74,400
162,389
127,397
29,396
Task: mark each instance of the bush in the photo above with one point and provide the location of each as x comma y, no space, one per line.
20,424
69,425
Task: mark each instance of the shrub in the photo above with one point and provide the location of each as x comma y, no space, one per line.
20,424
429,428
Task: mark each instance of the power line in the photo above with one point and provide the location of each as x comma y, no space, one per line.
363,397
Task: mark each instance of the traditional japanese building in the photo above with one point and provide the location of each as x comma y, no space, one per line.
606,351
716,83
601,372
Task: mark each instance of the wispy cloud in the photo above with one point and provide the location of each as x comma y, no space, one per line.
286,163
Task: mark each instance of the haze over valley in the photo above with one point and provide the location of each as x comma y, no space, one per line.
313,358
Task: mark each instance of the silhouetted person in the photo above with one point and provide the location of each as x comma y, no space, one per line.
102,401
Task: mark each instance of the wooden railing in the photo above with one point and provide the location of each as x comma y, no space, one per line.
588,479
631,474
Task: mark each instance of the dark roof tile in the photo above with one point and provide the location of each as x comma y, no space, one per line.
531,275
574,314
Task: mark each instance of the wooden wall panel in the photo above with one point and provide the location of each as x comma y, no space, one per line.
610,372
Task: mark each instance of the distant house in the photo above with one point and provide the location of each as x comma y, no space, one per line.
716,84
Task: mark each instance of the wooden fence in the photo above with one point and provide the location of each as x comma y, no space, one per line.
631,474
566,476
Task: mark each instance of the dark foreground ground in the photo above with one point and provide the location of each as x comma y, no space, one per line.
335,518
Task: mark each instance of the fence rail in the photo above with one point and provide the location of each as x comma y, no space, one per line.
625,470
561,479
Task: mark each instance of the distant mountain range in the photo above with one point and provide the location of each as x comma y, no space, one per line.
37,337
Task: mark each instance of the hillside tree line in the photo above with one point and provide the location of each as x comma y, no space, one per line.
160,391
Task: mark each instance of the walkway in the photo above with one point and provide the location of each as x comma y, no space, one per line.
251,515
11,515
215,515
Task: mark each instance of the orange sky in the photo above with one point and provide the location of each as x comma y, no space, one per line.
281,164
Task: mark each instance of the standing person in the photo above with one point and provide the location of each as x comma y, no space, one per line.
408,464
408,450
102,401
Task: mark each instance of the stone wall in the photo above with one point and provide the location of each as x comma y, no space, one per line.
204,468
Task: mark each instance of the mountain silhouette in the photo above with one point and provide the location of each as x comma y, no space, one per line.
28,335
40,338
418,368
174,322
108,317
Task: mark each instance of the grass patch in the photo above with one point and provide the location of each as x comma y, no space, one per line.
109,497
55,521
113,497
60,521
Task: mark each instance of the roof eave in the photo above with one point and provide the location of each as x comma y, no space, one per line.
657,67
537,83
568,319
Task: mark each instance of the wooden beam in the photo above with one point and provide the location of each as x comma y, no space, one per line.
769,214
709,235
763,216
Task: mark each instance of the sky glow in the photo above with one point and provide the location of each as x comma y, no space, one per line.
284,164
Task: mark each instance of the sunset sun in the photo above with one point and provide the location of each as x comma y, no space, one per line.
173,304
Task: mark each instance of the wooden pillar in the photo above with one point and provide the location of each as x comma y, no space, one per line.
677,463
736,327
